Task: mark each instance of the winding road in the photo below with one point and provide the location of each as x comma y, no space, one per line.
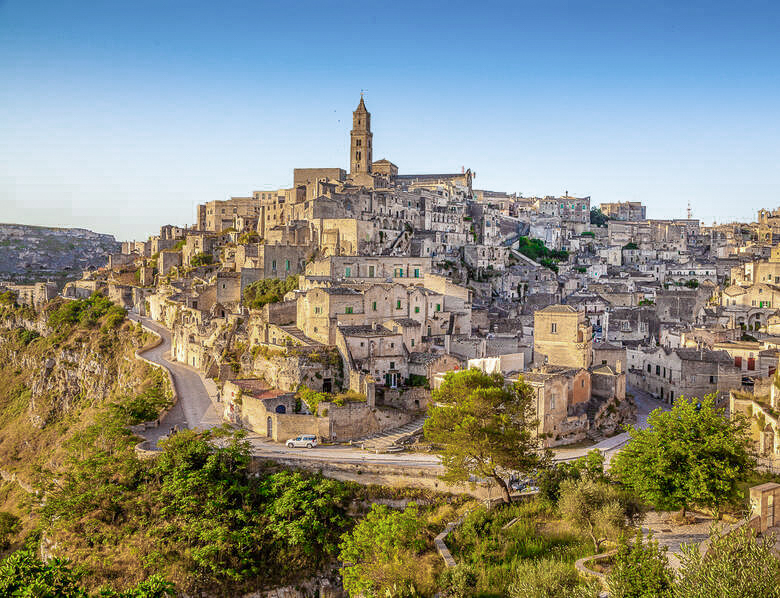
198,407
195,408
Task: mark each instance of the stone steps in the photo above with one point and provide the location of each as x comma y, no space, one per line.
389,440
298,334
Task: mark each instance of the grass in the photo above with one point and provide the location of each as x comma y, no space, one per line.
499,555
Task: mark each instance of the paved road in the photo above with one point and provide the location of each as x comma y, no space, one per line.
610,446
195,408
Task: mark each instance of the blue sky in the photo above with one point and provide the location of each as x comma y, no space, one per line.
122,116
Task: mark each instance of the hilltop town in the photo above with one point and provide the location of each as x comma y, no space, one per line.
364,288
331,323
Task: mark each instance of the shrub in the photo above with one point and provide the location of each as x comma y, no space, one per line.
9,523
380,554
737,565
271,290
547,578
640,570
458,582
597,509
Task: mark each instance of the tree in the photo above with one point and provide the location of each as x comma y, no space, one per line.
381,552
598,217
549,480
691,455
600,510
736,565
485,427
640,570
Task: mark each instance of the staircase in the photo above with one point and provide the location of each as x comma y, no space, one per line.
298,335
390,441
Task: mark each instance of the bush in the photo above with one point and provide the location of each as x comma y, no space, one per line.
201,259
458,582
271,290
87,313
597,509
737,565
640,570
381,553
547,578
9,523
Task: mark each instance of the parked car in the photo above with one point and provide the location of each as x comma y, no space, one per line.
307,440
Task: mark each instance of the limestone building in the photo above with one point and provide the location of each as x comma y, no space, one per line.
562,336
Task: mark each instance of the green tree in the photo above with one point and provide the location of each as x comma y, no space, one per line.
381,552
736,565
485,428
597,217
640,570
600,510
590,467
690,455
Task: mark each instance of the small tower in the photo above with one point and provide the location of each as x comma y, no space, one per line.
360,152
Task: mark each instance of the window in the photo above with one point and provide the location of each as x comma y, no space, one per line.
347,271
658,370
400,272
358,142
603,362
417,273
712,379
417,309
317,310
398,304
373,306
438,307
273,265
412,342
554,328
357,155
648,368
287,265
347,310
552,401
371,271
392,365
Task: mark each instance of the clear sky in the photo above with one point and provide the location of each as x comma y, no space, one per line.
122,115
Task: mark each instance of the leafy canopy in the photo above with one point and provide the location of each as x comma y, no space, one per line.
598,509
485,427
379,553
691,455
271,290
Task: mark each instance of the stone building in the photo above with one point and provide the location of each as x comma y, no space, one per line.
562,336
670,374
625,210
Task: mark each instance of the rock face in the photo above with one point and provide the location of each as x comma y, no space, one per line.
34,253
60,377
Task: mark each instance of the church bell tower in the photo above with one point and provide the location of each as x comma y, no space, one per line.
360,152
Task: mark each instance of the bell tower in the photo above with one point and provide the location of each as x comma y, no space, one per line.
360,150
